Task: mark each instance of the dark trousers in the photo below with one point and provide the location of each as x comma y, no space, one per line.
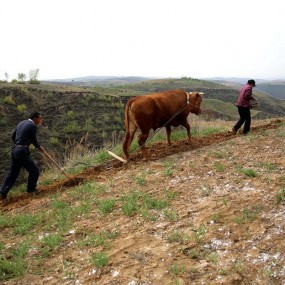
20,157
245,117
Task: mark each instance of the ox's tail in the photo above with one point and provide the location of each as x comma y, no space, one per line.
127,138
127,124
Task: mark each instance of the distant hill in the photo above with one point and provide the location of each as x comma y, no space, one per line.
238,80
99,80
219,99
274,88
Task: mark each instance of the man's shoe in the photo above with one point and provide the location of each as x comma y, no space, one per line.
234,130
34,192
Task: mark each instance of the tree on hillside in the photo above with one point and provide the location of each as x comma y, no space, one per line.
7,76
34,75
21,77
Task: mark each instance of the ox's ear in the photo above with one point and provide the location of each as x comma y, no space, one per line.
201,93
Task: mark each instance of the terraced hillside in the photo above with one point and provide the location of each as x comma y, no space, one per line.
94,116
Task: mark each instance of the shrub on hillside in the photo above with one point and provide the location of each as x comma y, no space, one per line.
9,100
22,108
72,127
54,141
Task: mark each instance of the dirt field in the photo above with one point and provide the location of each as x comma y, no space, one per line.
222,223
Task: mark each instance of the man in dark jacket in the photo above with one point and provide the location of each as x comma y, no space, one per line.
244,106
23,136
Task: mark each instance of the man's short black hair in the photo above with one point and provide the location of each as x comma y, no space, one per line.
251,81
34,115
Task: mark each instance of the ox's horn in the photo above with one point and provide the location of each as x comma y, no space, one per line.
201,93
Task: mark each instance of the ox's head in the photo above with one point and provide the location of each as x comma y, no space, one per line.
195,100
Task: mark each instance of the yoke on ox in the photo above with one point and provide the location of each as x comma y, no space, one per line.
153,111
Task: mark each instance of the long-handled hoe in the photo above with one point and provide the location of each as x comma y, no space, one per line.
56,164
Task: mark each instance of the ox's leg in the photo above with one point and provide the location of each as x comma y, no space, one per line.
128,140
142,139
187,127
168,133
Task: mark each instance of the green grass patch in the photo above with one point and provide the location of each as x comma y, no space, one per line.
248,214
248,172
102,239
280,196
139,202
106,206
99,259
179,237
49,243
14,265
25,223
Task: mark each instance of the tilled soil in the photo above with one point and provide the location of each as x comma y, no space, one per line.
224,224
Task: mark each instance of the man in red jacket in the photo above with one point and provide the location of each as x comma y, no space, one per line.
244,106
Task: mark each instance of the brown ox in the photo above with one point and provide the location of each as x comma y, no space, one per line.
164,109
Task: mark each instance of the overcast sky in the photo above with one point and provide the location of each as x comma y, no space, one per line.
152,38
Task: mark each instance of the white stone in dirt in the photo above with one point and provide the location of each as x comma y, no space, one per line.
40,237
115,273
92,271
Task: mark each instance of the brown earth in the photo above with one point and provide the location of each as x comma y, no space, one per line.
223,226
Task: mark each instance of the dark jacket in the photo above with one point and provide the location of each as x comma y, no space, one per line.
26,133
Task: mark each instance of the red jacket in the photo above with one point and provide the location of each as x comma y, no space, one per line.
245,96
